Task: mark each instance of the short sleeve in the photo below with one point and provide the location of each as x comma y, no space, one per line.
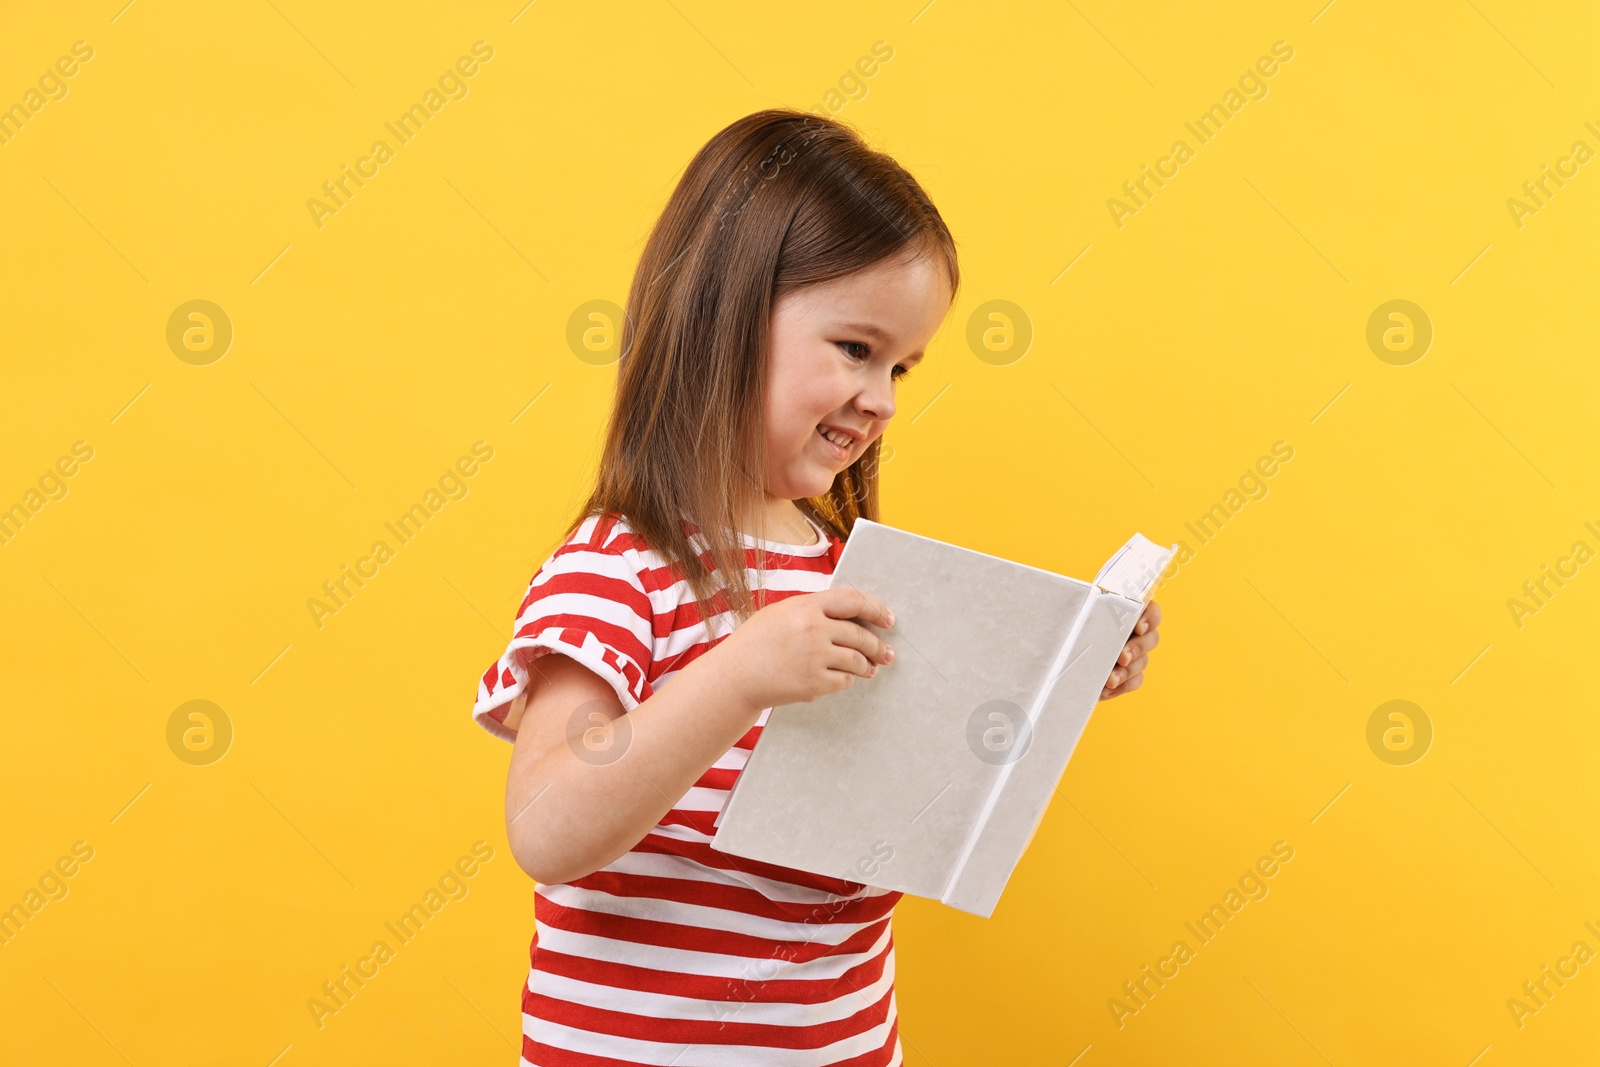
585,602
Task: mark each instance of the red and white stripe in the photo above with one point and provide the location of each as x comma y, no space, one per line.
677,955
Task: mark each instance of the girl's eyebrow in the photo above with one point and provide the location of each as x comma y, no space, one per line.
871,330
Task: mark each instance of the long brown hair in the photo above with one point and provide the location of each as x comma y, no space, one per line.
777,200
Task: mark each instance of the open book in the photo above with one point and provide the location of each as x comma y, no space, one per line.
932,776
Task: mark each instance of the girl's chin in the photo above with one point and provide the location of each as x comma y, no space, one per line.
815,480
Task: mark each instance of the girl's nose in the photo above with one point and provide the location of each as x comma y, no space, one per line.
877,400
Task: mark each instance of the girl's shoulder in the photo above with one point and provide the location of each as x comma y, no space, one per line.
612,533
609,532
606,543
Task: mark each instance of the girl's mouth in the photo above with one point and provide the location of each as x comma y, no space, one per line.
839,452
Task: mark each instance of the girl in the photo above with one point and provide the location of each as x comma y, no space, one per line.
794,276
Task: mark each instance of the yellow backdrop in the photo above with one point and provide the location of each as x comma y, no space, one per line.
1307,288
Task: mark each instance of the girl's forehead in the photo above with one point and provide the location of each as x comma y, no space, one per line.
899,290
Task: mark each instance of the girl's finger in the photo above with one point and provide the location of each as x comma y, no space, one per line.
850,661
1150,619
847,602
1122,680
1120,675
1138,646
857,638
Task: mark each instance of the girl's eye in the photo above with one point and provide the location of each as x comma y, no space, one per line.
900,370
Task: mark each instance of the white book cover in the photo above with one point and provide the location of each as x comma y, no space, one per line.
931,777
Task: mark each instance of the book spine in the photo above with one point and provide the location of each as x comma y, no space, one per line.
1062,661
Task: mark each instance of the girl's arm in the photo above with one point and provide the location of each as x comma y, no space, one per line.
571,810
568,816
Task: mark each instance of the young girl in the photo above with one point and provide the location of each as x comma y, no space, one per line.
794,276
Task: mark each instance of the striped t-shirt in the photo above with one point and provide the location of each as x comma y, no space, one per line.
677,954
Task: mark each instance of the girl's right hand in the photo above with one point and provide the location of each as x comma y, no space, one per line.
804,646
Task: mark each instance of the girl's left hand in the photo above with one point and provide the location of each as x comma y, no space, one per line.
1128,674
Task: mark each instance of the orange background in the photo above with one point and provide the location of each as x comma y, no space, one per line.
1140,373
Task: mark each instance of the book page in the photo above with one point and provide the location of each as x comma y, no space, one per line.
1135,569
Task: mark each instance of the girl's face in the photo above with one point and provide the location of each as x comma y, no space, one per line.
837,350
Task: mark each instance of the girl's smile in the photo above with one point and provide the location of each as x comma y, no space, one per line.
841,442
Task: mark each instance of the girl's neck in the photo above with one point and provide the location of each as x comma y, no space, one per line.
781,522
